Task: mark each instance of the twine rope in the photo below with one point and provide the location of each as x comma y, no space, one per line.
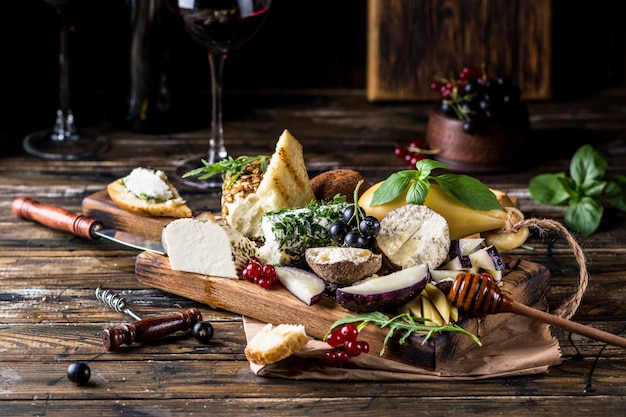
515,222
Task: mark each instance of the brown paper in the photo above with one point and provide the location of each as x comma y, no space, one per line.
521,346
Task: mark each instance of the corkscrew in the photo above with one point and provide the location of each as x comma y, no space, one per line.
141,330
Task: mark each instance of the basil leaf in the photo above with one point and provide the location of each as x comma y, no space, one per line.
418,192
594,188
584,216
392,187
468,191
547,189
425,166
615,192
587,165
569,185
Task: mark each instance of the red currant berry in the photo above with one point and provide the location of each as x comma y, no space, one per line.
416,143
353,348
252,271
334,338
342,357
330,357
264,282
349,332
268,271
415,159
435,86
400,151
364,346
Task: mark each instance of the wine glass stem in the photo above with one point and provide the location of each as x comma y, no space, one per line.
64,126
217,150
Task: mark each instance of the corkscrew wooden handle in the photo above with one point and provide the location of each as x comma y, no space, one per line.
481,296
148,329
55,217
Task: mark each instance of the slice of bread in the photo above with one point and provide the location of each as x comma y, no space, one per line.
285,184
149,193
274,343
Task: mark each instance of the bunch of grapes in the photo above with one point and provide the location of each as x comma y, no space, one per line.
356,230
345,345
477,99
263,275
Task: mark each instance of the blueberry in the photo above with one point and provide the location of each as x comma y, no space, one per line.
352,239
79,373
350,216
369,226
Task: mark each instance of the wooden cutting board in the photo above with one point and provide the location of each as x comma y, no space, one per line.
99,206
525,282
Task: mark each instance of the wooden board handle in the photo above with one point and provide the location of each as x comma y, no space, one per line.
56,217
149,329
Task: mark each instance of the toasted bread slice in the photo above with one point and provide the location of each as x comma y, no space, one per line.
274,343
144,202
285,184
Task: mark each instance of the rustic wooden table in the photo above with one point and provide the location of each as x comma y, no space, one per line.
49,316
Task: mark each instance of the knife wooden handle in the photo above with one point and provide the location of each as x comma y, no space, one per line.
148,329
56,217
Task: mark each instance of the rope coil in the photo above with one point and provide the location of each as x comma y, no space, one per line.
516,222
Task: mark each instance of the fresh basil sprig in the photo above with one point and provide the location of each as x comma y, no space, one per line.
584,190
463,188
403,322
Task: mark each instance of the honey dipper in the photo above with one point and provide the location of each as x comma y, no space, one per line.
481,296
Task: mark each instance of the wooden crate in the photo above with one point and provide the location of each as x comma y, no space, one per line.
412,41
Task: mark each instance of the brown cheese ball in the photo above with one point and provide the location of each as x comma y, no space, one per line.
338,181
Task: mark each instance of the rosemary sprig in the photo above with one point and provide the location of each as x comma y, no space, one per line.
403,322
227,167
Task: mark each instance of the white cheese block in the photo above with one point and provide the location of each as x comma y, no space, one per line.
207,248
413,235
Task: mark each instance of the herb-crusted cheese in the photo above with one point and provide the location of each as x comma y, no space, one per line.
149,184
289,233
206,247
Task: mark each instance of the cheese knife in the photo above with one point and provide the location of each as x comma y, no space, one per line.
61,219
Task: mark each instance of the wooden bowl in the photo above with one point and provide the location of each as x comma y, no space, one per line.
493,147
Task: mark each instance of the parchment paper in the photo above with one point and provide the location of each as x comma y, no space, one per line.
521,346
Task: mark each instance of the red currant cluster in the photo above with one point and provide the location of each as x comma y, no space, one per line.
447,86
413,153
345,345
263,275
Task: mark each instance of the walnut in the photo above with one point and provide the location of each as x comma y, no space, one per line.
248,181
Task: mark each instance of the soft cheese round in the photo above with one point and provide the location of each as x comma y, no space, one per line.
414,234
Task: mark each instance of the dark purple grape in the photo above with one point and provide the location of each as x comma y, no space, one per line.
367,242
471,87
469,127
369,226
352,239
338,231
447,109
79,373
350,216
203,331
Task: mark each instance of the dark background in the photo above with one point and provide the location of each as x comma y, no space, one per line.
304,48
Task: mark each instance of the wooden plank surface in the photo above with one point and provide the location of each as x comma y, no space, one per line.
50,317
411,42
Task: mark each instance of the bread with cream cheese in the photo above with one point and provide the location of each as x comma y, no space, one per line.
148,192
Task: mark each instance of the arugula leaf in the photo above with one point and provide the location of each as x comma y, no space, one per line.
466,190
227,167
548,189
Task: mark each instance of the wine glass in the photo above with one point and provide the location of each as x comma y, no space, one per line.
64,141
220,26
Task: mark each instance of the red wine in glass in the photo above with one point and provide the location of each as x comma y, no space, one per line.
220,26
64,141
